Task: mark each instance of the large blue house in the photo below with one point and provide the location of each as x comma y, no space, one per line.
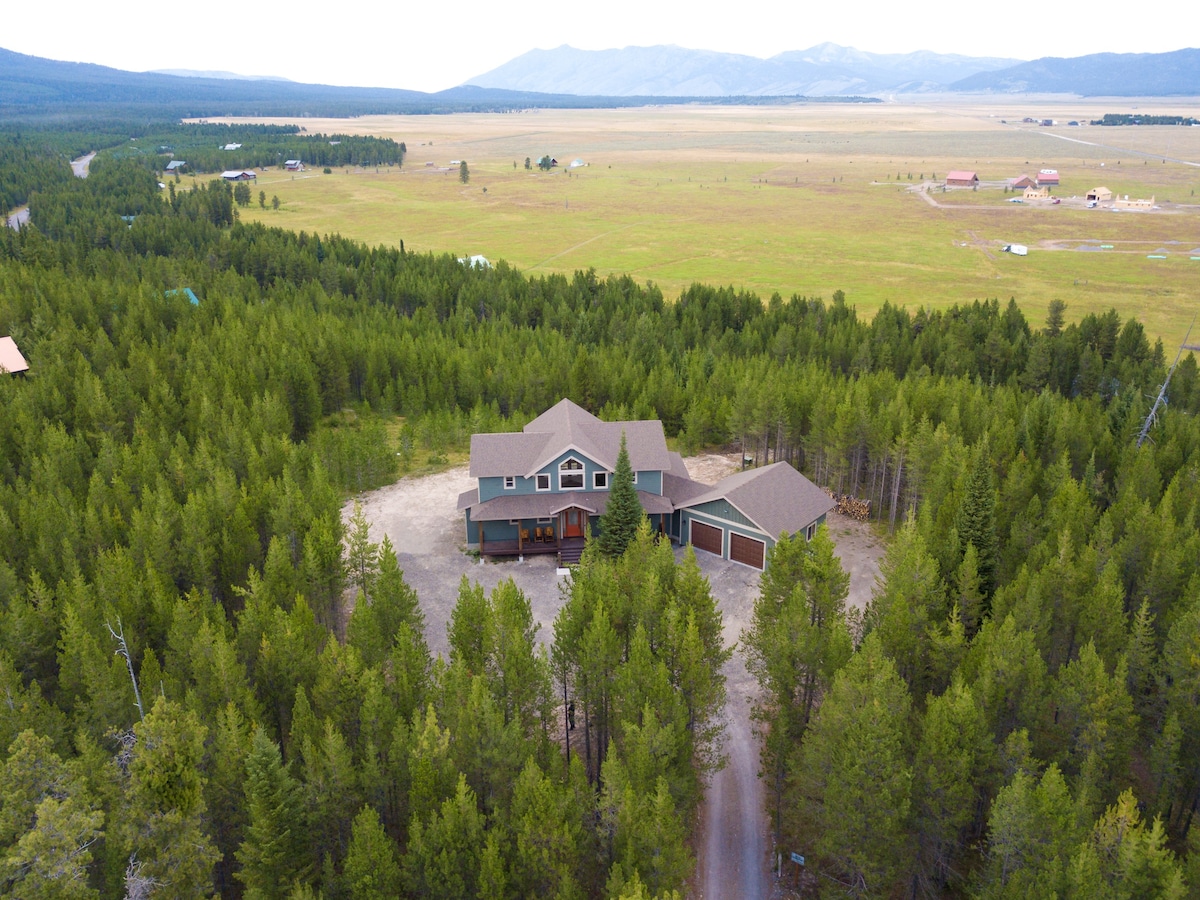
543,490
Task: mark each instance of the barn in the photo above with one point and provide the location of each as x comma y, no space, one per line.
1020,182
1099,194
1048,178
962,178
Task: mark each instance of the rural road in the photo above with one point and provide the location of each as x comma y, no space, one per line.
19,216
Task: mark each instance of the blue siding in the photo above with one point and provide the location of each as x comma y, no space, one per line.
650,481
492,487
723,509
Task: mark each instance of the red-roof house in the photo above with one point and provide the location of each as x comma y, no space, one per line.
962,178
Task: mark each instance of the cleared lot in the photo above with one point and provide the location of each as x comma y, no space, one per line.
733,845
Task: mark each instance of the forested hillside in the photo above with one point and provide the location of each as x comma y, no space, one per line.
171,474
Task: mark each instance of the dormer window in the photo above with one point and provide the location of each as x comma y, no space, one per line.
570,475
510,482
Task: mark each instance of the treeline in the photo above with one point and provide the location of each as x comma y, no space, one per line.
25,168
1015,713
202,147
176,472
1139,119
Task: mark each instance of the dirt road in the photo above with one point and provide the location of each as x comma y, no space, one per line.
80,166
733,845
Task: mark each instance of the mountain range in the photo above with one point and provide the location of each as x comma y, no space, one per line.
832,70
33,88
670,71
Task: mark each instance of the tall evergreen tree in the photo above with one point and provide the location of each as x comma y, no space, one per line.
624,514
273,852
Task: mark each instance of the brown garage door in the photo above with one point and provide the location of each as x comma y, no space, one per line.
746,550
705,537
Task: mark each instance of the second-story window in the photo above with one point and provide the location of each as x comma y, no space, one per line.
510,482
570,475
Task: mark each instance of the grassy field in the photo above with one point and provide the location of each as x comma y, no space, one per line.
802,199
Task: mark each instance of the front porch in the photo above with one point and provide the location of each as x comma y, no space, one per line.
568,549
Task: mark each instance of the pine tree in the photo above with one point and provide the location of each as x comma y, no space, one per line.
371,872
273,852
853,783
976,520
624,513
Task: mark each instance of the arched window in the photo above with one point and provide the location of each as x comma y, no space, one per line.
570,475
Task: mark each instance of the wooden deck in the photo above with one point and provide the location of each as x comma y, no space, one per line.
566,546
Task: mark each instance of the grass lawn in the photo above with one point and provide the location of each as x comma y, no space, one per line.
800,199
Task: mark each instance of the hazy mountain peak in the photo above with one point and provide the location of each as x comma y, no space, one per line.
223,76
668,70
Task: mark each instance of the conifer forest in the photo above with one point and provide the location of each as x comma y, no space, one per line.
188,710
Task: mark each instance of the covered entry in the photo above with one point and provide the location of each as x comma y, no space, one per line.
574,522
707,538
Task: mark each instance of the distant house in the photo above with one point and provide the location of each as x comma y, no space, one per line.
176,165
187,292
1037,193
293,165
962,178
543,490
1099,194
232,147
11,360
1126,203
1048,177
475,261
239,175
1020,182
576,163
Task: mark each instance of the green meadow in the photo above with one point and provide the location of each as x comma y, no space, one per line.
804,199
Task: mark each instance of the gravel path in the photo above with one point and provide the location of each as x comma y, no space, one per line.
733,845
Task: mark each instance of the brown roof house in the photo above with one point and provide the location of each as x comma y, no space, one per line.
960,178
1021,181
543,490
11,360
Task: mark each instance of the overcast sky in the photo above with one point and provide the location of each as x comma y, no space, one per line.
430,46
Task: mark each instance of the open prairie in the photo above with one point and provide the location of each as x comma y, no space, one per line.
802,199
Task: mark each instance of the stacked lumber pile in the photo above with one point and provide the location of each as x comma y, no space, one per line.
859,510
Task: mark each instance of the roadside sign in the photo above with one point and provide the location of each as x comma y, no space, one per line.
798,859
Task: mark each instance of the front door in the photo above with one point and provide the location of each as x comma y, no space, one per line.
573,520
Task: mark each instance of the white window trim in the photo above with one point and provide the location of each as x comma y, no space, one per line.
580,472
635,477
596,476
537,482
545,521
510,482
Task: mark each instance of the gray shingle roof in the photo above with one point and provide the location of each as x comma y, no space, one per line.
543,506
776,498
568,426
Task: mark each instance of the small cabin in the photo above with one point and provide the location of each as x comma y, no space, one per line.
11,360
962,179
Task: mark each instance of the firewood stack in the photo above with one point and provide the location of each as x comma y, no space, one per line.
851,506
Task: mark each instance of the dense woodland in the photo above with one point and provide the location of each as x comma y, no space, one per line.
1015,714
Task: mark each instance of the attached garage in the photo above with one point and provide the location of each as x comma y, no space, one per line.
746,550
707,538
